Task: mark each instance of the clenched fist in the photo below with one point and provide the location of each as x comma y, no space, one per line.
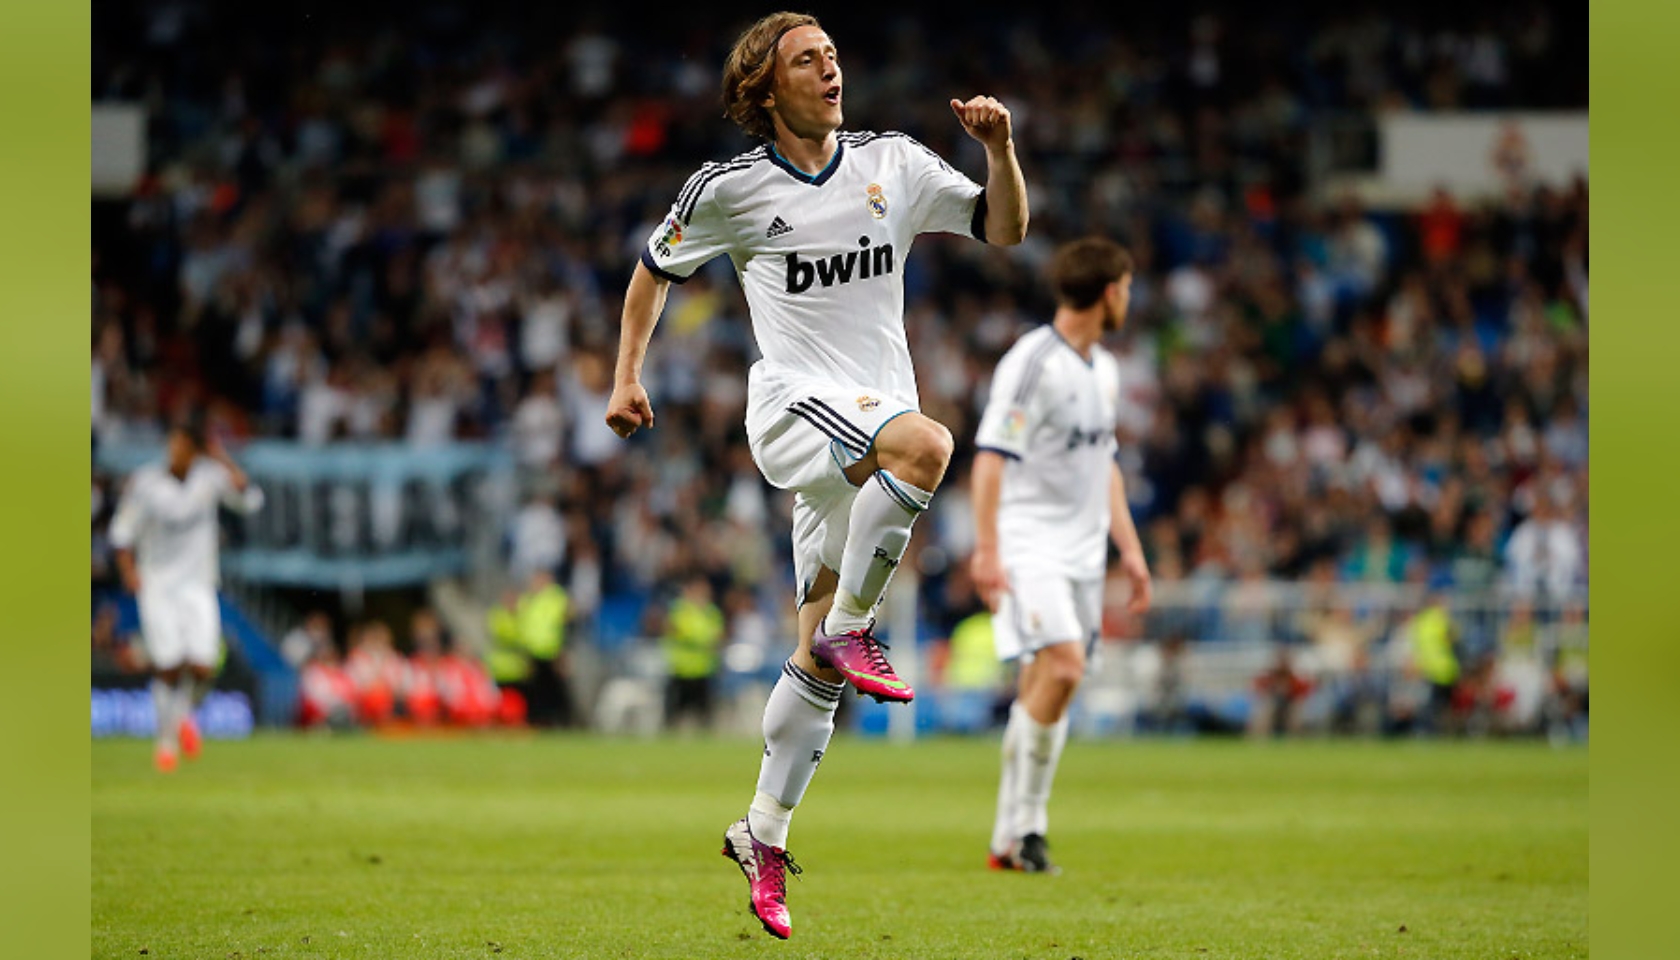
629,409
985,119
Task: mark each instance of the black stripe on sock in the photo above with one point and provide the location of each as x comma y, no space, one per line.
821,689
897,494
815,682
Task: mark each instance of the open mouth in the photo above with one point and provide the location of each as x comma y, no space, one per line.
832,95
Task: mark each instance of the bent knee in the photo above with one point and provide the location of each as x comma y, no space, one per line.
918,450
1065,664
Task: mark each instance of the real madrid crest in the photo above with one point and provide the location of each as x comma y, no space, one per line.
877,201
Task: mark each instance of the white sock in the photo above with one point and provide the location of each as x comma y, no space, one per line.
769,819
1004,832
200,689
163,709
186,697
798,722
1041,749
879,529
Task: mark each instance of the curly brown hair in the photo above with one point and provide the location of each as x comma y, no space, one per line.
750,71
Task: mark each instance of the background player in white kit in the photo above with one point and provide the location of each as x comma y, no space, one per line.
817,224
166,537
1047,496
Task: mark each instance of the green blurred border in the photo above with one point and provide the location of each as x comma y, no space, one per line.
44,244
44,317
1635,859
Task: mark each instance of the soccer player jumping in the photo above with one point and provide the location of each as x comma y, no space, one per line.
167,516
1047,494
818,224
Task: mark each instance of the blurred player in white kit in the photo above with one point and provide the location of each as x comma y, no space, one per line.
1048,497
166,537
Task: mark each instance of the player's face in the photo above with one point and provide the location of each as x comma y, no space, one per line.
182,451
806,94
1118,301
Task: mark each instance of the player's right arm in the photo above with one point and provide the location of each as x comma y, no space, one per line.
629,407
125,530
1002,435
986,566
694,232
125,569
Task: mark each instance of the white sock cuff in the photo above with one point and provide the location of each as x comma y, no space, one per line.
816,691
907,495
769,819
768,804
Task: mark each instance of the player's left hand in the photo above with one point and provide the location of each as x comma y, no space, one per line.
1137,571
985,119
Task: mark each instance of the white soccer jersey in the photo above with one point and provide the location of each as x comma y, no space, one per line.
821,258
1051,413
171,524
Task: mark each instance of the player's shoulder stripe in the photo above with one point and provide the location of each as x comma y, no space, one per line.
869,136
855,137
689,197
1038,357
863,137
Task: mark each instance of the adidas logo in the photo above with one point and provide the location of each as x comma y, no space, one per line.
778,227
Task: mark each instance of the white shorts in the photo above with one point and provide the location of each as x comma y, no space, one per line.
803,434
1041,610
180,624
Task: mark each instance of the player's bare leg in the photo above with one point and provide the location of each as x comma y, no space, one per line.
915,448
895,482
1048,684
818,601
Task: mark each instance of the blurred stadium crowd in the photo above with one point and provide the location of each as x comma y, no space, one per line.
361,226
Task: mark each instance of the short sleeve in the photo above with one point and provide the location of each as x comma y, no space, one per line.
1006,424
946,201
130,515
693,232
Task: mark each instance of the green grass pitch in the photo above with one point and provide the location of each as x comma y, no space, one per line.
560,846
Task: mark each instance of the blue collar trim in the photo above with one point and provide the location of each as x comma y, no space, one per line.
800,175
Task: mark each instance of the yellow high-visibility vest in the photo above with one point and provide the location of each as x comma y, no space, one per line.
973,662
1432,633
542,621
507,658
693,634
